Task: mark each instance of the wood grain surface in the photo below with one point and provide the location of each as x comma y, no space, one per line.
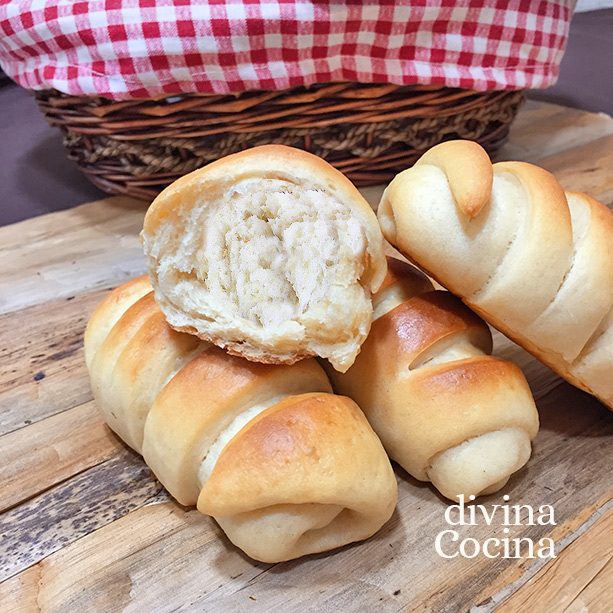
85,527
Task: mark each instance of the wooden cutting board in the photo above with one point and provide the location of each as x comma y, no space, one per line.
85,527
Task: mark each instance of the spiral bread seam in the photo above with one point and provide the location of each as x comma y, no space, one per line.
284,466
551,290
445,409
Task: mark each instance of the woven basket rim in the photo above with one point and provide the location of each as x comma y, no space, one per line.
369,131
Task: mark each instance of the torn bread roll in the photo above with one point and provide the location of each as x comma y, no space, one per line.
445,409
284,466
534,261
270,253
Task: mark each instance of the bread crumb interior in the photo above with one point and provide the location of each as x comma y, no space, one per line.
273,249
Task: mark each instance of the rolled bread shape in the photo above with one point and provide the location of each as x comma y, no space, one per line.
445,410
270,253
284,466
534,261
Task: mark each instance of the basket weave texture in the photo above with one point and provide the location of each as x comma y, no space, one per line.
368,131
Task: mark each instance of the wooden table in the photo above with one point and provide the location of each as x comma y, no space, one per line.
85,527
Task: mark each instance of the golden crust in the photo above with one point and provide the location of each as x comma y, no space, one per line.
535,262
178,401
469,170
140,371
296,452
203,399
416,326
109,397
465,399
427,384
419,412
110,310
297,464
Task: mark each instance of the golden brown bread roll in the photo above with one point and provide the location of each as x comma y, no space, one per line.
445,410
534,261
270,253
285,467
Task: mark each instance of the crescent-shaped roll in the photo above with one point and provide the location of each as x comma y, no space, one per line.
270,253
284,466
445,409
534,261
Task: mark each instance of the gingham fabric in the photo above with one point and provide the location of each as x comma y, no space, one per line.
147,48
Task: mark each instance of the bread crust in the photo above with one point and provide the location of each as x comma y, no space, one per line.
427,383
295,453
534,261
203,399
186,405
110,310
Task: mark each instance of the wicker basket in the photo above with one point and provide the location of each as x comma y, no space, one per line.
369,131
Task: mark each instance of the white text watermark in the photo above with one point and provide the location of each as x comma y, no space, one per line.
503,517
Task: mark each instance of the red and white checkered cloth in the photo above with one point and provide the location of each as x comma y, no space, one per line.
146,48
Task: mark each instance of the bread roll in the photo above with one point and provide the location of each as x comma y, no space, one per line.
284,466
270,253
445,409
534,261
